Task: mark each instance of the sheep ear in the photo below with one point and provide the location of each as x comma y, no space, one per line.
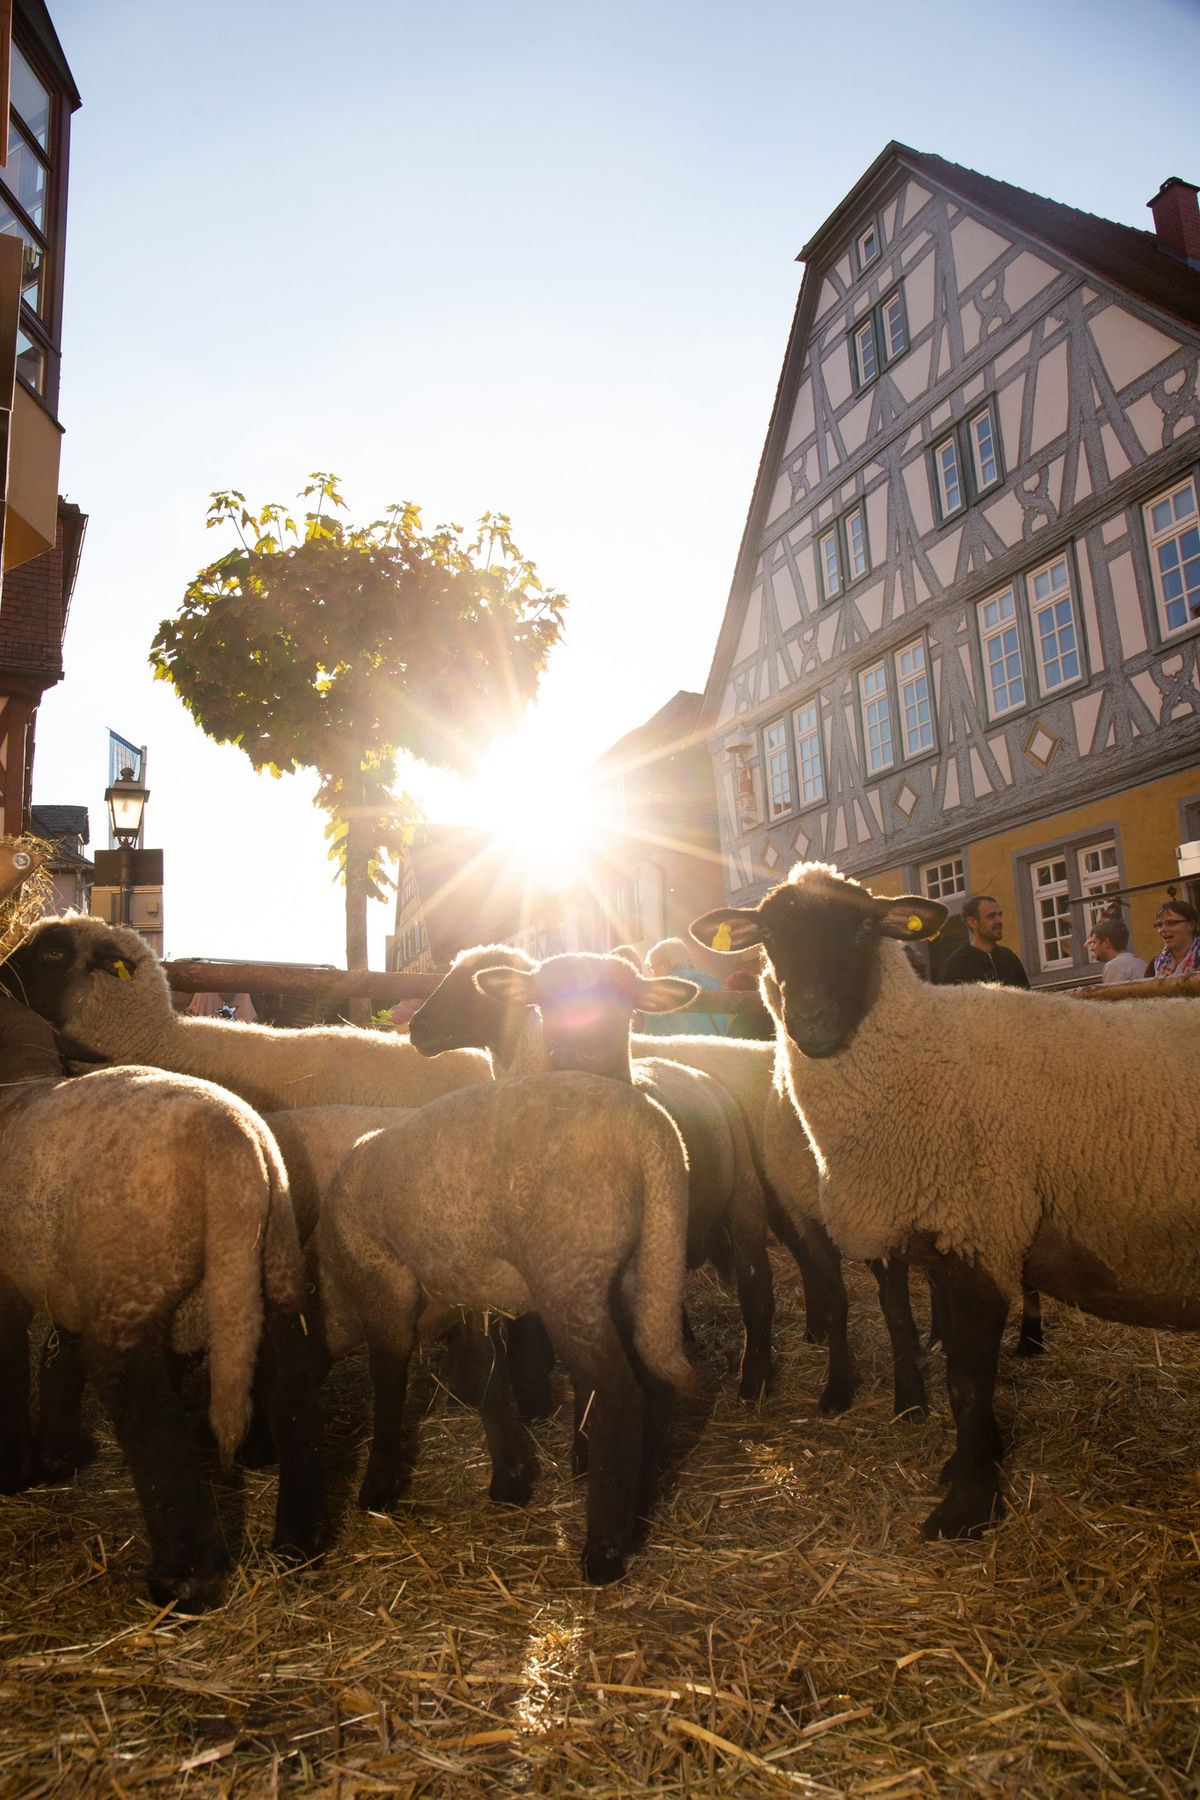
909,917
729,930
664,993
517,986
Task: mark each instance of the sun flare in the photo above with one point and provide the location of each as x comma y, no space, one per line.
543,814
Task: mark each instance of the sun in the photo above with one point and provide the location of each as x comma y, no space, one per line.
543,814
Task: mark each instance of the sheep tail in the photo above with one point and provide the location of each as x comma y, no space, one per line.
662,1255
236,1223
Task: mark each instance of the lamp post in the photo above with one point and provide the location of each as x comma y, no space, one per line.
126,800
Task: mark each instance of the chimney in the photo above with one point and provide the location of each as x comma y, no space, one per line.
1177,217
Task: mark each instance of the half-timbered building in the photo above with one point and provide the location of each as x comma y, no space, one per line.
960,650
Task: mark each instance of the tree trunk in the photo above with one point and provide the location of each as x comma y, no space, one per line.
357,852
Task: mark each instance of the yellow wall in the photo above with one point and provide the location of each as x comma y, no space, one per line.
1147,822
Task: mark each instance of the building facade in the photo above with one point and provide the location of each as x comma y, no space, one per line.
960,650
41,536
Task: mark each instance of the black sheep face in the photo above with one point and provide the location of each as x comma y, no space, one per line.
820,932
48,965
457,1015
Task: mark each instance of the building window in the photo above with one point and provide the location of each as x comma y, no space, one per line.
949,481
912,683
879,338
867,246
1001,641
866,355
26,212
842,553
943,880
966,461
1055,634
809,763
779,769
831,565
896,689
876,718
1059,881
1174,537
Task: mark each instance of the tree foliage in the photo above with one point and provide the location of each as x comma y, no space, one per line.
325,645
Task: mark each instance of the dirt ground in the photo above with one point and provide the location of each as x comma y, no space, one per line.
784,1629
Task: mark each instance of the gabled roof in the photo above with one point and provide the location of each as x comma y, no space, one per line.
1135,263
61,821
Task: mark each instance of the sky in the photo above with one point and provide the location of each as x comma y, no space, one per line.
532,258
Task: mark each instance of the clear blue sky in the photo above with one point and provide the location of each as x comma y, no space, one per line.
537,258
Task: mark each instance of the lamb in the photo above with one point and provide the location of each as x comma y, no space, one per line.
459,1013
125,1194
104,985
586,1005
466,1204
928,1112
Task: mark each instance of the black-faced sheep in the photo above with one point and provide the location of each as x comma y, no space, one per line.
137,1207
104,985
930,1114
586,1005
561,1194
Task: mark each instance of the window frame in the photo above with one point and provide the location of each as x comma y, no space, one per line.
874,319
863,263
1034,608
803,801
961,433
950,858
782,721
1077,891
982,634
902,756
42,328
1167,632
839,530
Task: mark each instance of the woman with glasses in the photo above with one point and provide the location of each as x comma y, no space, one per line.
1175,923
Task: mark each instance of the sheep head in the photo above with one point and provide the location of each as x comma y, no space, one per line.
87,977
820,932
458,1016
587,1004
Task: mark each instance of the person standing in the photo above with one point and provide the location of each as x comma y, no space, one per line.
1109,944
1175,922
984,958
672,957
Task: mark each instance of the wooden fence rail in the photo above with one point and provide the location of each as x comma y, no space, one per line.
195,976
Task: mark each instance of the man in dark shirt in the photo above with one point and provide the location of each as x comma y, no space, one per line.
984,958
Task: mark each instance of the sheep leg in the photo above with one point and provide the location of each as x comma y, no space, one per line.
482,1379
842,1378
974,1313
752,1271
188,1559
62,1444
530,1360
817,1300
17,1462
1029,1339
937,1331
909,1399
616,1449
292,1415
387,1470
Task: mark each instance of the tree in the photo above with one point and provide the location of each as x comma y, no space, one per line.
333,647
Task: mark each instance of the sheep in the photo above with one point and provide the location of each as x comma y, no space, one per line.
586,1004
929,1114
564,1194
459,1014
105,986
125,1194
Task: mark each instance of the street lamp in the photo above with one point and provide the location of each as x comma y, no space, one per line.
126,800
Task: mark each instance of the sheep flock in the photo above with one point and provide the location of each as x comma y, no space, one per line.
201,1220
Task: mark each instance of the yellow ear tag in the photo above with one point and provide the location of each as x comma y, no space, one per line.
914,924
123,971
724,937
